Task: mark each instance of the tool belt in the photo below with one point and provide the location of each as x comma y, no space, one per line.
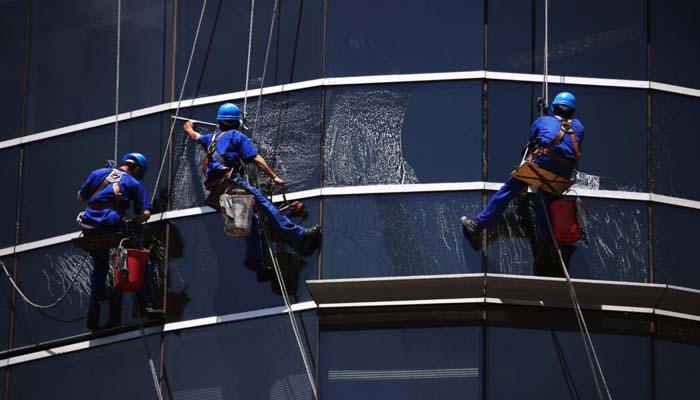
217,184
535,175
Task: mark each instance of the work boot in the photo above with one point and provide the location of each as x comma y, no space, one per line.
472,231
93,317
310,240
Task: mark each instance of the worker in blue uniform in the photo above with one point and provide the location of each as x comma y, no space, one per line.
109,193
556,152
226,149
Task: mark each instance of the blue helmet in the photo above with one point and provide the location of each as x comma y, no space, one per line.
228,112
564,99
140,159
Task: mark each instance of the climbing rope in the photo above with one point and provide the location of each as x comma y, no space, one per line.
60,299
275,262
147,351
545,67
247,68
116,100
179,101
593,361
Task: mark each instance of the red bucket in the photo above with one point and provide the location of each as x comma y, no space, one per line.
564,220
130,279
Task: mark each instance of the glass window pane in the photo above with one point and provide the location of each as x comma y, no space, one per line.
252,359
675,244
674,145
207,275
117,371
9,164
406,363
510,36
5,308
616,248
44,275
397,235
72,75
615,145
550,362
399,37
673,32
219,63
595,38
13,24
288,137
676,352
406,133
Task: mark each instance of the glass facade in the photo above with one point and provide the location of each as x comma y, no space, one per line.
386,165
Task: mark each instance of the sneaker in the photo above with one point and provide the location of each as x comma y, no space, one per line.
93,317
310,241
472,232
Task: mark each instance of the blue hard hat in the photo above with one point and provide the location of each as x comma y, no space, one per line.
564,99
228,112
140,159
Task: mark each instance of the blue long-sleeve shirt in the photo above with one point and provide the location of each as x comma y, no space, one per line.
231,146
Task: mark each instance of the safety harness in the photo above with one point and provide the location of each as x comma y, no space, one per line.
532,174
112,178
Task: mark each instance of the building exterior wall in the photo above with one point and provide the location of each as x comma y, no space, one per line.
389,120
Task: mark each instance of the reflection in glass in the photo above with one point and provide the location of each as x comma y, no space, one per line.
397,235
9,165
676,354
207,276
288,136
552,364
595,38
404,37
252,359
675,245
674,147
673,32
400,134
615,249
115,372
407,363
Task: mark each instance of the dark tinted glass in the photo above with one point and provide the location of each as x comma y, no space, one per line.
116,371
614,148
288,137
207,275
398,37
408,363
5,308
219,63
673,145
407,133
673,32
510,36
44,275
254,359
72,77
616,248
552,364
594,38
674,245
53,171
396,235
9,164
148,136
676,350
13,22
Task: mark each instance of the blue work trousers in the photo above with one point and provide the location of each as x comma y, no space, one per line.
291,232
100,269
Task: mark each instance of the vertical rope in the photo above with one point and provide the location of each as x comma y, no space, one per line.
116,100
545,67
247,68
179,101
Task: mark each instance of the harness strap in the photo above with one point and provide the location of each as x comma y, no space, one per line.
211,151
114,178
565,129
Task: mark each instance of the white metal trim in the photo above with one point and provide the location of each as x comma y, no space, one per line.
368,190
354,80
398,303
176,326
